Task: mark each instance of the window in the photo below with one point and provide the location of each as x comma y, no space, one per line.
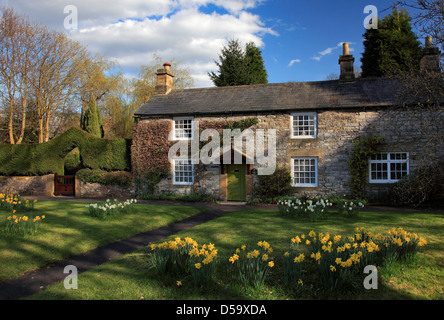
183,171
304,172
303,125
183,128
388,167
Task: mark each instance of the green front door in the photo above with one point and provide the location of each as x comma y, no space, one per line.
236,182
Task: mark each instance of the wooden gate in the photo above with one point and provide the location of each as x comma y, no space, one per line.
64,185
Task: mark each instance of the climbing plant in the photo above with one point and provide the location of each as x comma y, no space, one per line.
364,148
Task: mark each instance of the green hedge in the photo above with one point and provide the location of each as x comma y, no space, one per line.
120,178
49,157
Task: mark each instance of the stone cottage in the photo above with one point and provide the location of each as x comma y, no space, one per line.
315,126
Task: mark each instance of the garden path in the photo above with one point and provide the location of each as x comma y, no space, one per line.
37,280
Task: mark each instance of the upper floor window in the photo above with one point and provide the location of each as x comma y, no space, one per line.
304,125
183,128
388,167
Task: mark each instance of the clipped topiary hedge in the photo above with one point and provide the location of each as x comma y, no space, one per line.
119,178
49,157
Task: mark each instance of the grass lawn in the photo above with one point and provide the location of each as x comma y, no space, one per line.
131,278
68,230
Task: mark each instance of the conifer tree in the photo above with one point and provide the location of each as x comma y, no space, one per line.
392,48
92,121
254,63
238,66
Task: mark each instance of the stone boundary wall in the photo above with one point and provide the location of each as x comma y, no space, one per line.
97,190
28,186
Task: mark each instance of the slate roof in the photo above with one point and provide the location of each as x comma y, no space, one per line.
273,97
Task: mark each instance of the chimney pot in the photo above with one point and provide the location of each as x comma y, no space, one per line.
430,57
164,80
346,64
428,42
345,50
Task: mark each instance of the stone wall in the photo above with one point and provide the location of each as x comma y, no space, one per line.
97,190
28,186
416,131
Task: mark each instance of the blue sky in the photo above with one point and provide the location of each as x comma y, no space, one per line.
310,33
300,40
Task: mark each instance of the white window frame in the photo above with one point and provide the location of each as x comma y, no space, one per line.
175,131
315,125
174,172
315,184
388,162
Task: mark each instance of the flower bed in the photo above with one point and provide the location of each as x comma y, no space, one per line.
297,208
337,261
16,224
184,258
110,208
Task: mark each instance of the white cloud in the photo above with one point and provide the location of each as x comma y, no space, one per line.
329,51
293,62
131,31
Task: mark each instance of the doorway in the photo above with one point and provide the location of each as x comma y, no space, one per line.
236,182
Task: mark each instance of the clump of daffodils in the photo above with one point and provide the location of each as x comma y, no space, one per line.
110,207
341,258
22,225
14,202
184,256
253,266
312,209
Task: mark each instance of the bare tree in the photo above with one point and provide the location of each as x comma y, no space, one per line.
130,94
56,79
428,17
98,79
17,50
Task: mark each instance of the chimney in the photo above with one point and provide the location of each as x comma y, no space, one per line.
164,80
346,64
430,57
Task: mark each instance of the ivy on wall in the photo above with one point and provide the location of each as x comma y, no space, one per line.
363,149
149,151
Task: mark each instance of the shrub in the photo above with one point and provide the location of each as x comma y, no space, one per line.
273,186
425,184
120,178
49,157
